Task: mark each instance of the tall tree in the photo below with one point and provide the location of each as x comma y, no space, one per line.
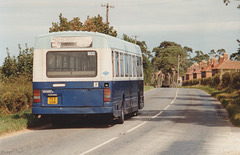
166,58
9,67
94,24
13,66
236,56
212,53
200,56
228,2
220,52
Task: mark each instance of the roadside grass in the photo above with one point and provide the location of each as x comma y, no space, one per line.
19,121
229,98
147,88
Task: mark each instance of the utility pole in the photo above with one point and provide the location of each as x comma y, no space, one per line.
178,69
107,10
135,39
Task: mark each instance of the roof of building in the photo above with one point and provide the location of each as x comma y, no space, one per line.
207,68
228,64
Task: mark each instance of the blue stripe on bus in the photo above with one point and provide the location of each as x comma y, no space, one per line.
83,98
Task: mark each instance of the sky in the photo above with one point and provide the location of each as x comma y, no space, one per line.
199,24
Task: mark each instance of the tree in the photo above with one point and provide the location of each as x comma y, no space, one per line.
9,67
13,66
200,56
220,52
186,61
25,60
94,24
166,60
166,56
236,56
228,2
212,53
217,54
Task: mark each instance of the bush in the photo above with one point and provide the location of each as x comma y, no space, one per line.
207,81
195,81
15,94
226,79
216,80
186,83
236,80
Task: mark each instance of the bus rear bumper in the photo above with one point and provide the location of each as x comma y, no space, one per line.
68,110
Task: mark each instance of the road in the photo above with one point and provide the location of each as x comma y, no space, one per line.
173,121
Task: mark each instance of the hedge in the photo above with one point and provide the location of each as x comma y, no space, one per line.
227,80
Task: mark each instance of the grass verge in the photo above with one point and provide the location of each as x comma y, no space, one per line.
147,88
20,121
229,98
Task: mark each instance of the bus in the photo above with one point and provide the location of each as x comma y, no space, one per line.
85,73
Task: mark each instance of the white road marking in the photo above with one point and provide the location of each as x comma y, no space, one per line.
157,114
137,126
134,128
174,97
98,146
167,105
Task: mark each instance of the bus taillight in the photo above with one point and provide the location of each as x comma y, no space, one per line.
107,95
36,96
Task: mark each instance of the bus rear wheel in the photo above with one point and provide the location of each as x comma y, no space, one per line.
121,117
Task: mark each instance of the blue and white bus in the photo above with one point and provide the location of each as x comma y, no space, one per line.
83,73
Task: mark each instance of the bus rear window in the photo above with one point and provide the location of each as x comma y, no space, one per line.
72,64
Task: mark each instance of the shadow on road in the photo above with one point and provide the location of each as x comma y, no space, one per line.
192,116
84,122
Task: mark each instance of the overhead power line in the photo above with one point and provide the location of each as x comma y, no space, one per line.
107,10
152,3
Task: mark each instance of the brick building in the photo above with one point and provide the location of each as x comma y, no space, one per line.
212,67
225,65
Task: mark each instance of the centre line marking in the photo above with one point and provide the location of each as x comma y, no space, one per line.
137,126
157,114
110,140
98,146
167,105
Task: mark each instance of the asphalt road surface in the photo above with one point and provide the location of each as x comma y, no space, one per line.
173,121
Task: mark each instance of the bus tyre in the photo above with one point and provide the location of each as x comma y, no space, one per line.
121,117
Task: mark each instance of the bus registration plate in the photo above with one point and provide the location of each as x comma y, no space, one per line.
52,100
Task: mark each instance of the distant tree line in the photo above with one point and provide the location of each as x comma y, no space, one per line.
160,65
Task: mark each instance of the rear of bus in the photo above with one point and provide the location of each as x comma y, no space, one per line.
70,74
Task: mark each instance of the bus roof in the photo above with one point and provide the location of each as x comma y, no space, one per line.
99,40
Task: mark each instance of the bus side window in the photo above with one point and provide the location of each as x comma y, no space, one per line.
113,73
138,66
130,65
126,65
134,65
116,64
121,65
